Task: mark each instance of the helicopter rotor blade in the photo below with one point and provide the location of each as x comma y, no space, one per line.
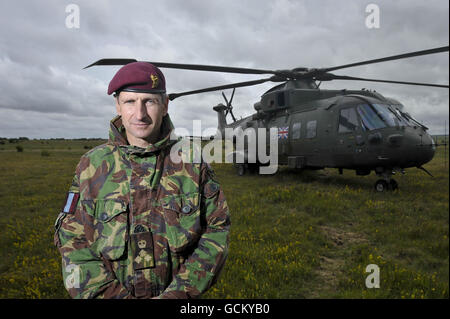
280,75
232,95
111,62
232,115
229,108
225,98
390,58
195,67
329,77
173,96
212,68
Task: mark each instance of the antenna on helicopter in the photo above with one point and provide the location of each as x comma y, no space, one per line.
229,106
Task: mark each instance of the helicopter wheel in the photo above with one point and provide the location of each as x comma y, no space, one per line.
381,185
393,185
241,169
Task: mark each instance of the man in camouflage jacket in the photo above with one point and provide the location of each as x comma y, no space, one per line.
136,223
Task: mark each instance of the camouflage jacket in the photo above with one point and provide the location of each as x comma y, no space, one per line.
138,225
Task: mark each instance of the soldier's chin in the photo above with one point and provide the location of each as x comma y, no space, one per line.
142,133
141,126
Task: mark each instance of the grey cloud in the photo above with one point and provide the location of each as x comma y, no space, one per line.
41,60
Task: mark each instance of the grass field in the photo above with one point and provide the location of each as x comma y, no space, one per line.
295,234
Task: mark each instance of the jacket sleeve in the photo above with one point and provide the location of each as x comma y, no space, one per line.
86,273
202,268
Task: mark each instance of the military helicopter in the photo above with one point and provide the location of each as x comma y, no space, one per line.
361,130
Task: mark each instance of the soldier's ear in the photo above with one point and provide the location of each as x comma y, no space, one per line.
166,106
116,98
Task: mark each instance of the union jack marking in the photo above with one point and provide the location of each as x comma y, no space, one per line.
283,132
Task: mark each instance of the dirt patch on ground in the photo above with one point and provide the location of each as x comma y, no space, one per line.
341,237
331,266
328,270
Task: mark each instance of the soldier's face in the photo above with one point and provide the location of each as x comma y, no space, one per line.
142,115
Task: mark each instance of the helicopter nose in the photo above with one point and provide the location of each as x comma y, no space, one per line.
421,148
428,149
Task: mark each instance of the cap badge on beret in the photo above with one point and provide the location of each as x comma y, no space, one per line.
154,80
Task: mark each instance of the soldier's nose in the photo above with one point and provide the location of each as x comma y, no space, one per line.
141,112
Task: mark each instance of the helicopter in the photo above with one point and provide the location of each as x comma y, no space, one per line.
359,130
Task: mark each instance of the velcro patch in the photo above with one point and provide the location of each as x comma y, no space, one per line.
70,203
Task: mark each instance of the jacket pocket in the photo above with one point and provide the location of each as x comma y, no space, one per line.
184,221
111,226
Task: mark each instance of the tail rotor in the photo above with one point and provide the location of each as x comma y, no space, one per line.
229,107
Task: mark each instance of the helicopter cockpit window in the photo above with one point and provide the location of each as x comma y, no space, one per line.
296,130
375,116
311,129
387,114
402,119
348,121
407,118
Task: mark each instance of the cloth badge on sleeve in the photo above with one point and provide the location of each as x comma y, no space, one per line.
71,203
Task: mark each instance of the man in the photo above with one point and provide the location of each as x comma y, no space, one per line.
135,223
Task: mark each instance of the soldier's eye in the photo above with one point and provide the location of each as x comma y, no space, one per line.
151,102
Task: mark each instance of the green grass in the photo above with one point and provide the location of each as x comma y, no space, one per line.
295,234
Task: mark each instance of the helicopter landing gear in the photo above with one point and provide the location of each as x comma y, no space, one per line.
383,185
247,168
393,185
386,183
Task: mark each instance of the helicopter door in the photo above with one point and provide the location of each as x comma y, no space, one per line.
350,144
295,153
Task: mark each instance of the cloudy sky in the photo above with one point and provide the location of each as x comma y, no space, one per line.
46,93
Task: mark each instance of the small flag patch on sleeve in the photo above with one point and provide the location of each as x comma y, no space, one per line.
71,203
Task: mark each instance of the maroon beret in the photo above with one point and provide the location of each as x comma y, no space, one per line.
138,77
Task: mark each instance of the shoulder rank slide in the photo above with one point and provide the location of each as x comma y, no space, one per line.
71,203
